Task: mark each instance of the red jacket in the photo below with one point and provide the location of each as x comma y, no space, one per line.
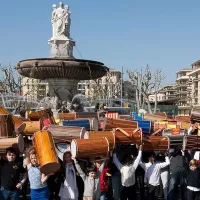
103,179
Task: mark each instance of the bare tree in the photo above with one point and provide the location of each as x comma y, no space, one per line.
12,80
105,89
146,82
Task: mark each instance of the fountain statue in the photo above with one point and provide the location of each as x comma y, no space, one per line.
62,71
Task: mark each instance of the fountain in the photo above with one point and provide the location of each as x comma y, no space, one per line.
62,71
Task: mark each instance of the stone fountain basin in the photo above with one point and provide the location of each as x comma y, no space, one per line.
78,69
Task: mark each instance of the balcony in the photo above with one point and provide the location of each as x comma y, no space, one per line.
182,78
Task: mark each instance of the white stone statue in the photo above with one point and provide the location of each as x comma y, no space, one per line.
67,21
61,43
53,20
61,20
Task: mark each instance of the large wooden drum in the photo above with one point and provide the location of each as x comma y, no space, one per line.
155,117
46,153
191,143
18,123
80,115
109,124
17,143
6,126
145,125
90,148
128,136
67,133
100,134
67,116
89,124
31,127
195,115
156,143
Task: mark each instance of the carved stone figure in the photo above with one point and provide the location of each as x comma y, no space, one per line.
67,21
60,15
53,20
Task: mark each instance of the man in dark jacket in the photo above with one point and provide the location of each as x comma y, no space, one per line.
178,164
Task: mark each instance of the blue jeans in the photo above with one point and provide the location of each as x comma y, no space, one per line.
10,194
103,196
174,181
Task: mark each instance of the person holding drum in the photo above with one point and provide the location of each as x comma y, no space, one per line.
91,181
38,185
128,174
68,189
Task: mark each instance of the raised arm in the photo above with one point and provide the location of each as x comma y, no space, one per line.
116,161
164,164
78,168
138,159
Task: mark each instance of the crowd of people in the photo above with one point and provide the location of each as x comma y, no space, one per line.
128,173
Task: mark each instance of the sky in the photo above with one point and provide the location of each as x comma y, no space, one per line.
128,33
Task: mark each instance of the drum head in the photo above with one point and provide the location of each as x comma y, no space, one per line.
20,128
74,148
61,148
95,124
50,168
20,143
83,133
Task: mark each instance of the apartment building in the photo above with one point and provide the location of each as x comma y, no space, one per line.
109,86
194,83
183,87
34,88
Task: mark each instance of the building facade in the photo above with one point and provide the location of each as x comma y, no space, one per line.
34,89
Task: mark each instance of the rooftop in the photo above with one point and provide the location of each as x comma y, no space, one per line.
184,70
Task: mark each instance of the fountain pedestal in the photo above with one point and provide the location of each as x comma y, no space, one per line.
61,47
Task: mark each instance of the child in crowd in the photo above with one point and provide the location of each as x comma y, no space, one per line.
153,175
104,179
69,189
193,181
38,185
128,175
91,181
11,170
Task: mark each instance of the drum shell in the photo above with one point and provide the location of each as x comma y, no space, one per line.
156,143
112,115
145,125
6,126
156,117
100,134
84,115
36,115
160,125
67,116
126,117
169,132
137,116
17,143
176,141
31,127
89,124
89,148
18,123
67,133
195,115
46,153
109,124
128,136
191,142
